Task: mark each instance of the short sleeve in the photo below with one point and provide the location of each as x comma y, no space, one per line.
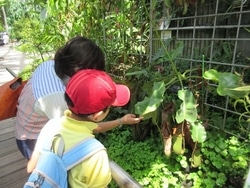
44,139
53,105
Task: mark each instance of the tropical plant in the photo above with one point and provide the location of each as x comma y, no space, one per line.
232,85
150,88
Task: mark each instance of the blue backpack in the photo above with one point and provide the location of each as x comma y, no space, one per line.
51,169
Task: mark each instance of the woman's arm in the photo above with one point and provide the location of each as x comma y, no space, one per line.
43,142
128,119
33,161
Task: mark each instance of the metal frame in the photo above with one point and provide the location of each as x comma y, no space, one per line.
205,29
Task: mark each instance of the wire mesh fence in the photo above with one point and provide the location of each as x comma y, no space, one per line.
215,34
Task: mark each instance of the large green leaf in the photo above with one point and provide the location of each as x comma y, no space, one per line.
198,132
149,105
227,83
187,109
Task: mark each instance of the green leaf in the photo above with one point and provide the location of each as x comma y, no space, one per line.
198,132
178,50
150,104
211,74
144,72
228,83
187,109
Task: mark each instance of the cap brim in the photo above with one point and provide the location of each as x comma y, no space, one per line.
122,95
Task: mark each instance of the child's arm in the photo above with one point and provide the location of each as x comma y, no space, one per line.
128,119
43,142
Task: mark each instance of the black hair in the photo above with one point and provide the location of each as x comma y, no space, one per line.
78,53
70,104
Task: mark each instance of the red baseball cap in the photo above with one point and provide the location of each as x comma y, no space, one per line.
92,91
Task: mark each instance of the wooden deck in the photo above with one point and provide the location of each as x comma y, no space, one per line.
12,164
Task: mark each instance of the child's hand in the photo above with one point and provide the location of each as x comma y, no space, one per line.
130,119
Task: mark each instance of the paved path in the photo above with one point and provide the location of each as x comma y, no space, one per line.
13,59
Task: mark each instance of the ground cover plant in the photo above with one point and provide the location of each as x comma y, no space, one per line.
225,160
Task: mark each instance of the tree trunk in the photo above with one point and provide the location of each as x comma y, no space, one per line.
5,20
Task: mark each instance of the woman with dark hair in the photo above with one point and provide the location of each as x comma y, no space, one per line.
78,53
42,98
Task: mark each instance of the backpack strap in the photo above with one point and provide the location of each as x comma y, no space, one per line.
57,149
81,151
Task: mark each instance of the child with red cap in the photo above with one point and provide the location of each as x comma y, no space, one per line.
89,96
42,98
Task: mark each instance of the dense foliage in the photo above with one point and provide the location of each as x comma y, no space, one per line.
124,30
225,160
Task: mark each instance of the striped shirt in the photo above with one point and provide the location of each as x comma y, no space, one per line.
41,99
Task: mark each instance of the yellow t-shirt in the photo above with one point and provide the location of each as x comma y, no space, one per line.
93,172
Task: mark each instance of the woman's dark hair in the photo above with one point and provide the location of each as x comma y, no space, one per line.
78,53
